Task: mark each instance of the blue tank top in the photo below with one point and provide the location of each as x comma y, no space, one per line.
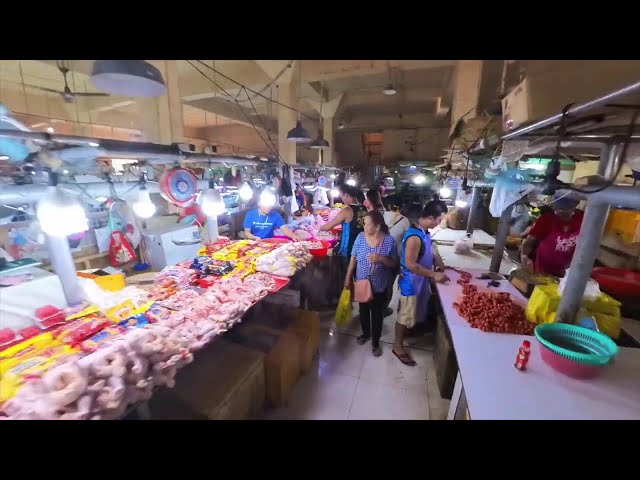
410,283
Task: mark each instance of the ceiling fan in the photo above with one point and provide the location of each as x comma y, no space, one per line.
66,93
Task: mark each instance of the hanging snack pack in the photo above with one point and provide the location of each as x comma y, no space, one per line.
120,250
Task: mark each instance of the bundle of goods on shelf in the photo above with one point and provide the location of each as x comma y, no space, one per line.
491,311
285,260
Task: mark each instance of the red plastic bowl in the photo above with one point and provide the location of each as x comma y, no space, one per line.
277,240
617,281
320,252
569,368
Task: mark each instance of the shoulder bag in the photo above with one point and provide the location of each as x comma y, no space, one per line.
362,291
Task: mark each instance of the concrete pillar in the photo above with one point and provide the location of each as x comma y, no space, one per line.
287,118
466,93
328,127
162,120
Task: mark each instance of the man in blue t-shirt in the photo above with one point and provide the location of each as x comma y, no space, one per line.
262,222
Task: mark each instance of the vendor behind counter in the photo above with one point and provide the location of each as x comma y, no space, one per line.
261,222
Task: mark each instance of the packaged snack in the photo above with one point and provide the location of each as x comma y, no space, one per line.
121,311
75,332
50,316
28,346
14,371
135,321
29,332
73,314
157,312
91,344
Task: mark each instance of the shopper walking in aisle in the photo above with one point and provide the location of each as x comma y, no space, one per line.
373,259
373,201
398,225
416,265
352,219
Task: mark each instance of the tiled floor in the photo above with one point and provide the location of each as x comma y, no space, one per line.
348,382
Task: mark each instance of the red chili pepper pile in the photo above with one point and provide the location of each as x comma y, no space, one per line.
492,312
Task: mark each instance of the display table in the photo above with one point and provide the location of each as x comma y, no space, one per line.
480,237
475,259
495,390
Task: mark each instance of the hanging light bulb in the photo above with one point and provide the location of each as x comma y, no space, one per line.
419,179
351,182
461,200
61,214
211,202
245,192
143,207
445,192
335,193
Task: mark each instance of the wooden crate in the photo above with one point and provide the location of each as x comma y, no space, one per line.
445,359
224,382
281,359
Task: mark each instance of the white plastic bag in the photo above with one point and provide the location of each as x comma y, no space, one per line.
591,292
505,192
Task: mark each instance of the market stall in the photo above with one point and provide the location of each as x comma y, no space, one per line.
494,389
98,360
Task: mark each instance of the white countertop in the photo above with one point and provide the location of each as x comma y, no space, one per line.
496,390
475,259
479,237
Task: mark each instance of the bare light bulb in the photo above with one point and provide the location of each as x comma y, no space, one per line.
61,214
245,192
211,203
419,179
335,193
351,182
143,207
445,192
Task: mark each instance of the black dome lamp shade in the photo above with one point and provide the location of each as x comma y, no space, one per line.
298,134
128,78
319,143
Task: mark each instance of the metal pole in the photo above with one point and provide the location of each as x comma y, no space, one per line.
473,209
582,262
212,228
501,239
588,243
583,107
63,266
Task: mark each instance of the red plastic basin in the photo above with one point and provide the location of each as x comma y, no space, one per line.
617,281
320,252
569,368
277,240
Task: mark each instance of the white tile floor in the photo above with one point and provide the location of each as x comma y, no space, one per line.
348,383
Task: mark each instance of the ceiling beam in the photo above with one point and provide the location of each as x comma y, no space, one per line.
335,69
231,110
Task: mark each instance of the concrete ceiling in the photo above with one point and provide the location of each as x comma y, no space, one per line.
423,99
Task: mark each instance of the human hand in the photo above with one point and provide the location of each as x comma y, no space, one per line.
347,283
375,258
527,263
441,278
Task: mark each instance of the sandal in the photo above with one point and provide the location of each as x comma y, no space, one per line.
377,351
362,340
406,359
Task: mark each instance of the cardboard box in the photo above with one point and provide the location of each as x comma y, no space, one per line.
550,85
224,382
304,324
281,359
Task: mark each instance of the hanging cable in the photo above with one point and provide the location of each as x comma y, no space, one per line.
250,90
276,153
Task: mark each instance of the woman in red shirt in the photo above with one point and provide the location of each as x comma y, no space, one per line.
553,238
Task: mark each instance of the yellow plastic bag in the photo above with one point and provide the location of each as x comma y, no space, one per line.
344,310
543,302
604,304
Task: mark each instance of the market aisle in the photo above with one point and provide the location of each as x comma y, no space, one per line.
347,382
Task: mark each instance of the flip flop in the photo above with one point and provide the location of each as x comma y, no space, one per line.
406,359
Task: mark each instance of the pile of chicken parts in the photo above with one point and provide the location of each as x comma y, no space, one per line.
125,370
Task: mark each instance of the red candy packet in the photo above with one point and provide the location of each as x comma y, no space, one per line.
78,330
